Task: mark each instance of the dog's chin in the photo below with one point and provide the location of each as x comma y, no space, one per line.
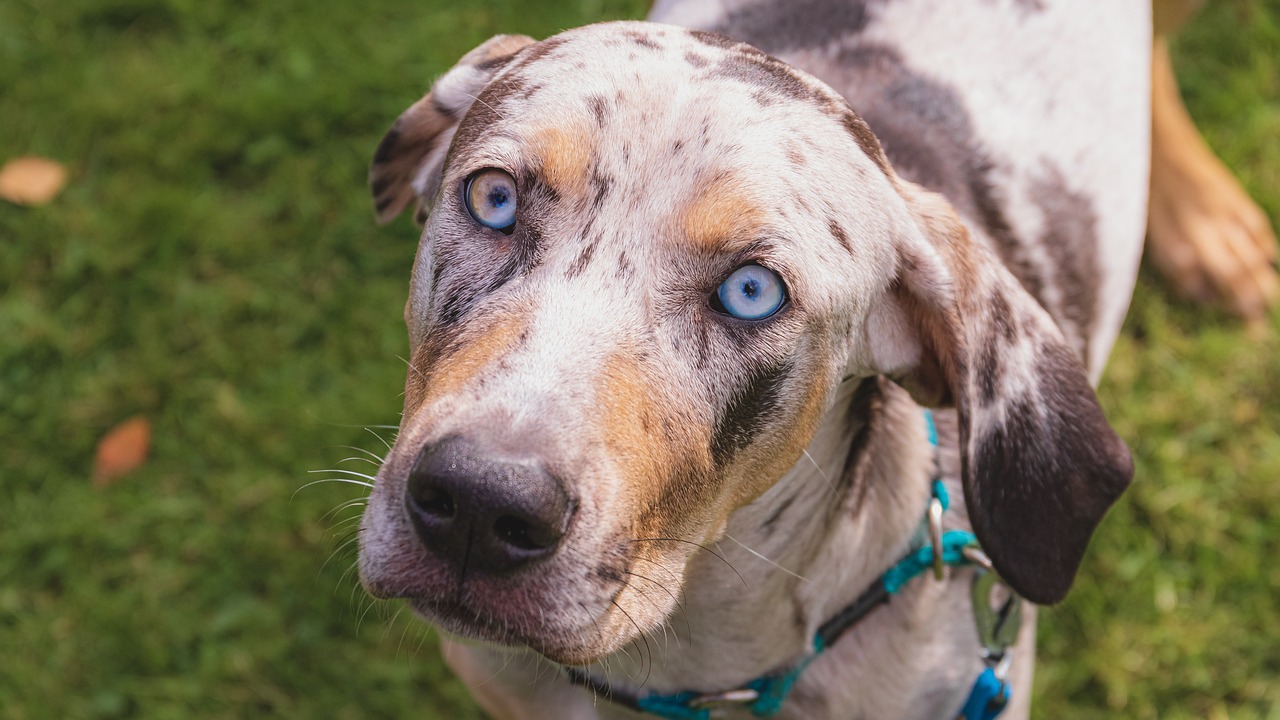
580,647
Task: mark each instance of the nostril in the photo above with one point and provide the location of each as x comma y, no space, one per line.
436,502
523,535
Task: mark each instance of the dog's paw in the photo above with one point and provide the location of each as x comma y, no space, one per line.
1208,237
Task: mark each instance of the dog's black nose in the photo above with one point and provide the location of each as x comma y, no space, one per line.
494,514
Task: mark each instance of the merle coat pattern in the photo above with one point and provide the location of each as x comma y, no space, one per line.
956,210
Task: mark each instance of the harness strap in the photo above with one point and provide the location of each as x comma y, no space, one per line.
987,699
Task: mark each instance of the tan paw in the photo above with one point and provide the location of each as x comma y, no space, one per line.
1205,234
1211,241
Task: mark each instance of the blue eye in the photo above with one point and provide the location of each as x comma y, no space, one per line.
751,293
490,197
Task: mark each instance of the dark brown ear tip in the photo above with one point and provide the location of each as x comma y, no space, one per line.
1038,492
386,147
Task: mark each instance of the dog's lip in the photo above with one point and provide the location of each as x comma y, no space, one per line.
458,618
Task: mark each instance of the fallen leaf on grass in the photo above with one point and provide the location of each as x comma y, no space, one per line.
121,450
31,180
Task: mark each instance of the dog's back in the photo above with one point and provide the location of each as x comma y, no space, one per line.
1031,116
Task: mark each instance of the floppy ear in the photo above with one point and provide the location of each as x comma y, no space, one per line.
1040,464
410,157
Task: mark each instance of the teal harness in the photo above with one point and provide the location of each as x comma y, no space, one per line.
764,696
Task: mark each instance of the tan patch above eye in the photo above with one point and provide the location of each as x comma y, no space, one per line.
720,212
564,153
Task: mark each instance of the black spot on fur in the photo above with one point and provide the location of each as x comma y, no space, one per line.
864,407
925,130
599,108
747,413
866,139
641,39
771,76
581,262
715,39
1002,317
763,99
777,27
625,269
486,111
840,235
600,185
1070,236
988,370
696,60
539,50
528,91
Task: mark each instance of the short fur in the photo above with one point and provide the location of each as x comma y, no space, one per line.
737,483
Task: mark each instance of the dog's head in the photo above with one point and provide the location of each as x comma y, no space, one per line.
651,256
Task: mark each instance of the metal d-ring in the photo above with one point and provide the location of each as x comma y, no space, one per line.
935,537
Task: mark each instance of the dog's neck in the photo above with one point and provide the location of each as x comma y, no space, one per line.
793,558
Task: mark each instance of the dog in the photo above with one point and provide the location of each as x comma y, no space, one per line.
679,308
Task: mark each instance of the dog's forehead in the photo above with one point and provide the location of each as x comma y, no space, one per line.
657,92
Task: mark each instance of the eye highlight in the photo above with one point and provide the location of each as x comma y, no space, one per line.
751,292
490,197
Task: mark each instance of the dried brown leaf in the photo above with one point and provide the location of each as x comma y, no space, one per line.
31,180
121,450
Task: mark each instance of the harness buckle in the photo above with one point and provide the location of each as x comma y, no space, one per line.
997,613
741,696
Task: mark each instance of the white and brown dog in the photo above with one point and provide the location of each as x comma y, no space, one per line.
675,312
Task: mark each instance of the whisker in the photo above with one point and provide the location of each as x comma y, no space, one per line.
344,506
762,557
391,624
348,481
830,485
499,671
371,454
356,458
369,429
360,621
645,596
346,545
411,367
679,603
353,473
648,649
704,547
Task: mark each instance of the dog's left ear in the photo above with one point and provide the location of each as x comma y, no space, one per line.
409,159
1040,464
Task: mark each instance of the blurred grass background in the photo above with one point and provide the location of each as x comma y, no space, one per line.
213,265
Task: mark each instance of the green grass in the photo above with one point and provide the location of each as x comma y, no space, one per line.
213,265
